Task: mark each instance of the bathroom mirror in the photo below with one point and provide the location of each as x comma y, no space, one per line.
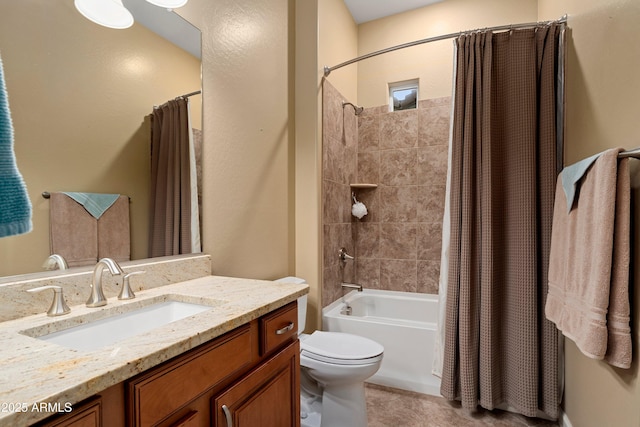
80,95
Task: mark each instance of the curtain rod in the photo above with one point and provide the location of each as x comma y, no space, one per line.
186,95
328,70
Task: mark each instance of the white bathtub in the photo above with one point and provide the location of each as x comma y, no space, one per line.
404,323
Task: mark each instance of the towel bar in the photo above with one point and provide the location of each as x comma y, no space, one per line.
635,153
47,195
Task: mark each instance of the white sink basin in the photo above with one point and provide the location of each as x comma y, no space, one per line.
103,332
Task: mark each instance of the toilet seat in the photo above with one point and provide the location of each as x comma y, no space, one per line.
341,348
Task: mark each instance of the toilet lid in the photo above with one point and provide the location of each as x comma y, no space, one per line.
339,347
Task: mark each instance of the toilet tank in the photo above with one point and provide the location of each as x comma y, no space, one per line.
302,301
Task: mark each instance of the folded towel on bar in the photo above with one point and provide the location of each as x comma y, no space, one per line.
15,209
114,231
82,239
571,176
95,203
73,232
588,296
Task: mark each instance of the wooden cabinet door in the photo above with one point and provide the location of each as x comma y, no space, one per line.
87,414
269,396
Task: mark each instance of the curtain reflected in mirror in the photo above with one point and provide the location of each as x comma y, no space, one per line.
174,214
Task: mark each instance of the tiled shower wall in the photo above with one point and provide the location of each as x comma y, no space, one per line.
397,245
339,157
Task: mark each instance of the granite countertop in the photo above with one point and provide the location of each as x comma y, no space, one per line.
36,372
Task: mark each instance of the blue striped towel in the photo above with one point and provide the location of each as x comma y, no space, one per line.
15,206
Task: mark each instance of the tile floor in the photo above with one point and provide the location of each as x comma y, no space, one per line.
389,407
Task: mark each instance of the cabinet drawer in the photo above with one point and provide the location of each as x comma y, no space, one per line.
278,327
157,394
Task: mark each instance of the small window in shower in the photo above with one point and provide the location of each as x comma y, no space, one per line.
403,95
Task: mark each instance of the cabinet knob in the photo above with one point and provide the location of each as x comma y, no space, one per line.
227,415
285,329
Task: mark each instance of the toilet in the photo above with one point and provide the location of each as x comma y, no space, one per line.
334,366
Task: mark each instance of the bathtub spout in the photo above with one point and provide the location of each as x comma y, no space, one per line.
351,286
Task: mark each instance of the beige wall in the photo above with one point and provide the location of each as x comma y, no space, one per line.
307,155
431,62
79,94
248,173
603,93
338,42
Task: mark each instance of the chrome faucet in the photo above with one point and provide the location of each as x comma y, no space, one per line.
351,286
55,260
97,299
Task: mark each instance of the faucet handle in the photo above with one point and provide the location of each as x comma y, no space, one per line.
126,292
58,305
344,256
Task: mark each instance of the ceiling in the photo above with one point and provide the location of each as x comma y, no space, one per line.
172,27
368,10
167,24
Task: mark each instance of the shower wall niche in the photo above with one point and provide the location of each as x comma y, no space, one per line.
397,245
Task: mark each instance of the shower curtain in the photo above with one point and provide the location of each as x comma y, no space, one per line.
499,349
174,220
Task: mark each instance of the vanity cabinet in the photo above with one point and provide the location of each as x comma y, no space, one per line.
252,371
156,394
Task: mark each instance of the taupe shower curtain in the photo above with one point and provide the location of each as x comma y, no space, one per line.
170,212
499,348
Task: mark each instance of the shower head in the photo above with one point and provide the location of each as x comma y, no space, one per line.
357,109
